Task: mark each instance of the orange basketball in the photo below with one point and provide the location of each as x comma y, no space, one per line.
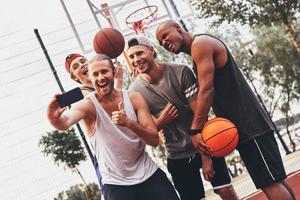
221,135
109,41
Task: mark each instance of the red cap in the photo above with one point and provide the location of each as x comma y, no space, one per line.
70,58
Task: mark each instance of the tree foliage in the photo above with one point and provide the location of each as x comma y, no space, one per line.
78,192
279,66
251,12
256,13
64,147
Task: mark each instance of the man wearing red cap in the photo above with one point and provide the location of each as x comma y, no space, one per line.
76,65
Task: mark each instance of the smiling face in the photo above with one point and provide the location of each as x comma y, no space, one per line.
169,36
102,76
141,57
79,70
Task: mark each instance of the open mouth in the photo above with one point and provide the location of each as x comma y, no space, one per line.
170,45
139,65
84,71
103,85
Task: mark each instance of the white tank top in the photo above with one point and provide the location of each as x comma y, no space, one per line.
121,154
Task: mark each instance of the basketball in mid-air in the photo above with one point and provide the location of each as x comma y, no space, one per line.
221,135
109,41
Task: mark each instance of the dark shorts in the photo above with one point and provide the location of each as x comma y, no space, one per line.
263,160
157,187
187,179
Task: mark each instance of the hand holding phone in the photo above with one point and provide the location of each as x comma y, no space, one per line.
70,97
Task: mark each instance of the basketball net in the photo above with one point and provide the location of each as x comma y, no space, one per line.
141,18
138,27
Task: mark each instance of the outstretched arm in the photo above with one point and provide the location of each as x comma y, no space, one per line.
61,118
144,128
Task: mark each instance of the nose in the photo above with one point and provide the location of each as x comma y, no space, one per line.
135,60
100,77
164,43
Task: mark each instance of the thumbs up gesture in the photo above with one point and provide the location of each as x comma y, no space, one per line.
119,117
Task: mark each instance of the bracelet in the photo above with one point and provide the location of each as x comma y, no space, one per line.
195,131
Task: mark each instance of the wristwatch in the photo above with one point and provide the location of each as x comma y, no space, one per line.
195,131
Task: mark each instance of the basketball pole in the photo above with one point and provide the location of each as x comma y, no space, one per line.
247,73
107,15
62,89
178,15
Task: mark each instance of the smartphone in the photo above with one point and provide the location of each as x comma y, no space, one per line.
67,98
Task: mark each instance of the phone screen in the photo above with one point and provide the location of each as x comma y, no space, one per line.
67,98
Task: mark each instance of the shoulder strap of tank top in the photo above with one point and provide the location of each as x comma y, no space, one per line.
128,105
90,89
212,37
228,52
93,98
126,98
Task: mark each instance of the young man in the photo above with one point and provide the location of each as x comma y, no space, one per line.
76,65
222,86
116,120
170,91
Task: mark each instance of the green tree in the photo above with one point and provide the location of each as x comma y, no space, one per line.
65,148
256,13
78,192
279,68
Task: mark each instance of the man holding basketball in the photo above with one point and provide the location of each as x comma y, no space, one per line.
170,91
223,87
116,119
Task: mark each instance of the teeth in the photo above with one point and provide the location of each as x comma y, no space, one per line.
170,46
84,71
102,85
138,65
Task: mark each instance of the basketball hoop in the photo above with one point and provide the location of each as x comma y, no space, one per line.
139,19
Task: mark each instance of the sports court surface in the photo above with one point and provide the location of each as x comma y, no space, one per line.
293,180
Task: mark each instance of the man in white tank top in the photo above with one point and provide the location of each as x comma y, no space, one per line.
119,125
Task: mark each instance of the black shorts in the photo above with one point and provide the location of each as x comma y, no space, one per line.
263,160
157,187
187,179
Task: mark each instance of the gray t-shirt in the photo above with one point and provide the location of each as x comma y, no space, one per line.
178,86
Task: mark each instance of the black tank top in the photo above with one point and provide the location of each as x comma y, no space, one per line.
234,100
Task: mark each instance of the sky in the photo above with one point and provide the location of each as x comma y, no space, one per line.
27,84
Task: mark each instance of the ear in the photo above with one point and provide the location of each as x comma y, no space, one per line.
73,77
178,28
153,52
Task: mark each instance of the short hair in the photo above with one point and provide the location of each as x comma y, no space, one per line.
168,23
101,57
138,40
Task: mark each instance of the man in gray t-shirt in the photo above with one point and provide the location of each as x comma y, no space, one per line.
170,91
